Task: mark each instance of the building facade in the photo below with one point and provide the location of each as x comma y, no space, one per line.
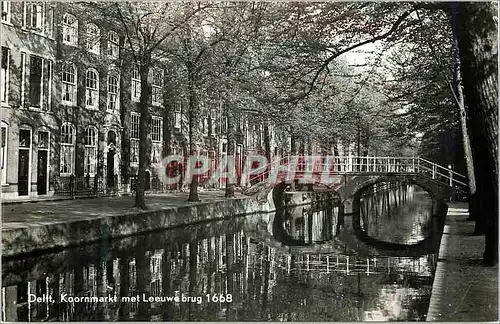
69,103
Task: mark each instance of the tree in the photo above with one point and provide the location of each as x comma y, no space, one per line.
147,26
476,31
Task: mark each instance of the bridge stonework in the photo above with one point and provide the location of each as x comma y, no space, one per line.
353,186
350,187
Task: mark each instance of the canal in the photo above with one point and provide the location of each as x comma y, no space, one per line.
306,263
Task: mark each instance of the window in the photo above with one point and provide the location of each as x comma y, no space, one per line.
92,89
70,29
6,11
67,149
90,150
36,81
5,75
134,125
113,43
49,92
49,22
134,151
156,138
43,140
178,116
156,128
136,84
113,86
93,38
3,152
37,13
134,138
69,85
22,69
156,87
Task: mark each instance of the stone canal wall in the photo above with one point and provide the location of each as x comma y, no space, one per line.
56,234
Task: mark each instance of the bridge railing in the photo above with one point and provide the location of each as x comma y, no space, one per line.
359,164
440,173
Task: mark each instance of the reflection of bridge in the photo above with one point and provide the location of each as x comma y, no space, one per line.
221,257
350,176
345,234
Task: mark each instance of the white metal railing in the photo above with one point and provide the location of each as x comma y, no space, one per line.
302,164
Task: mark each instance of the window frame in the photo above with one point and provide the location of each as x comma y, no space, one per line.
73,101
41,84
38,13
111,75
158,127
93,45
156,89
4,151
8,12
66,27
90,167
49,21
113,45
88,89
135,119
135,84
5,77
67,146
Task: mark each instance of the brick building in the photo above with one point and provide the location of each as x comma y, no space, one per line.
69,104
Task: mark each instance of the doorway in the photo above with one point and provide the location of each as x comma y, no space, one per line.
41,181
110,160
23,173
110,168
42,162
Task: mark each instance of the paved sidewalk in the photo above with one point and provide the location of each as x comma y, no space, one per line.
463,289
31,214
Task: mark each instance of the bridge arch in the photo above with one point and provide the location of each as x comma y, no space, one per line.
353,188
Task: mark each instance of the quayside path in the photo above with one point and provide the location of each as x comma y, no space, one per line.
463,289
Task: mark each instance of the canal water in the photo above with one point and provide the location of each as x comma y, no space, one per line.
306,263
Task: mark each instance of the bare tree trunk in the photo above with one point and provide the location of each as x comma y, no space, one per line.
230,185
476,31
168,118
144,134
469,164
293,151
267,140
193,112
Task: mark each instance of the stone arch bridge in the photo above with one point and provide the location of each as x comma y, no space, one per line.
350,177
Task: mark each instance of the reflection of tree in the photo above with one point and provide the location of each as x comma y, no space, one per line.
267,283
390,220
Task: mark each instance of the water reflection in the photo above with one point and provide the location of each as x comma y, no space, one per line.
307,224
396,213
267,281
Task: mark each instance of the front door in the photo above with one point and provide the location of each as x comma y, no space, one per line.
110,165
23,172
41,181
24,162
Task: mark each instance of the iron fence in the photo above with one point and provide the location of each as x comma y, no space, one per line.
80,186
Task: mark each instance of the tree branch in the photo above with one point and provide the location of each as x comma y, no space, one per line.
394,27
